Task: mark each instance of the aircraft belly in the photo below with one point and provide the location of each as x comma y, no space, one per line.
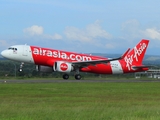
114,67
100,69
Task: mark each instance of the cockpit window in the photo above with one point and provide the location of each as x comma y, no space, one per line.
12,48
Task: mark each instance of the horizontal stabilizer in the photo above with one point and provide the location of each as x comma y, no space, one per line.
143,66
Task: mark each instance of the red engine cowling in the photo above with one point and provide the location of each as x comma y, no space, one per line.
42,68
62,66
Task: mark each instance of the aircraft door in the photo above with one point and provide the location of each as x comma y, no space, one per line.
25,50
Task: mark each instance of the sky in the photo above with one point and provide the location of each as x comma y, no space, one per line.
84,26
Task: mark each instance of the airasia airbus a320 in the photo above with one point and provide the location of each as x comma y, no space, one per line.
51,60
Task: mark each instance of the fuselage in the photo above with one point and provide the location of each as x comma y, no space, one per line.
47,57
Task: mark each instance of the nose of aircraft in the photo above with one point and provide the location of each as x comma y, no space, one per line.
4,53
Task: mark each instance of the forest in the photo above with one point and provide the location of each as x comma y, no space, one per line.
11,69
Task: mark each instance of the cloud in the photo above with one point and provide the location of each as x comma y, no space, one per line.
3,43
53,37
34,30
74,33
95,36
37,31
89,34
152,33
131,29
95,30
130,25
110,46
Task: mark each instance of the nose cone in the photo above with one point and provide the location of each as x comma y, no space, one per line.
4,53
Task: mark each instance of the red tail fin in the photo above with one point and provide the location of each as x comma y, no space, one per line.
136,55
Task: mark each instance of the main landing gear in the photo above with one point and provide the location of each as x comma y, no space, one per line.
77,76
65,76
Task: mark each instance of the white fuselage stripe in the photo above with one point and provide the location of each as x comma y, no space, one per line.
116,67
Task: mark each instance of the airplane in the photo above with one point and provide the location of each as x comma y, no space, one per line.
51,60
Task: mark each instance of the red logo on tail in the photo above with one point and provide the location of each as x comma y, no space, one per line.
139,51
136,55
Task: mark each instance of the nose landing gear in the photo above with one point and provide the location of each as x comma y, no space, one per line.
21,66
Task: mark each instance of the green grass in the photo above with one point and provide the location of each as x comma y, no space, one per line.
80,101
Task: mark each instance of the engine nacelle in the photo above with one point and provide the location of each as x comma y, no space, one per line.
42,68
62,66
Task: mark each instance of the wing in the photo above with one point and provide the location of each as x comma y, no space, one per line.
101,61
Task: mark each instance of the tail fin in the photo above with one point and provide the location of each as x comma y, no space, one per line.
136,55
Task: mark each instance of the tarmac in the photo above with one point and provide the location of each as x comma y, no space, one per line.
78,81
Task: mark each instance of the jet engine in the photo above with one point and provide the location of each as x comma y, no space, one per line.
42,68
62,66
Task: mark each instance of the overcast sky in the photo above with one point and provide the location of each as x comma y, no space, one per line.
85,26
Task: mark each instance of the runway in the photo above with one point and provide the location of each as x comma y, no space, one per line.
78,81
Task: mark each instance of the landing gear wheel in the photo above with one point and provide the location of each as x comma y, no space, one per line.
65,76
20,70
78,77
